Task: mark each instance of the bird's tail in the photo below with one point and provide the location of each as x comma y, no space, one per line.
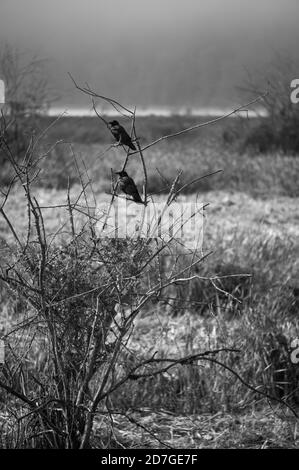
137,198
132,146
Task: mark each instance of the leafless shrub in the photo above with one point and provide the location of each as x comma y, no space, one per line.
279,129
28,93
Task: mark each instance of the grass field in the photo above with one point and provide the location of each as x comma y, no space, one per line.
252,227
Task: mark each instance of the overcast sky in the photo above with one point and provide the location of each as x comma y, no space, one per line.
155,52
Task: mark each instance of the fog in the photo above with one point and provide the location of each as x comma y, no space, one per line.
152,53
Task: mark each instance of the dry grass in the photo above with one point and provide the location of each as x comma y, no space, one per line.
263,176
260,175
204,406
257,430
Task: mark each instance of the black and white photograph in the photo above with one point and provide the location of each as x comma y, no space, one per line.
149,227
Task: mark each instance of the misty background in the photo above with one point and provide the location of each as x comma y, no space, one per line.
170,53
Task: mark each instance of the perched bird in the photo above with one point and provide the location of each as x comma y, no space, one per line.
121,134
127,185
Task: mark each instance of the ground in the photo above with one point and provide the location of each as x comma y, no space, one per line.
269,429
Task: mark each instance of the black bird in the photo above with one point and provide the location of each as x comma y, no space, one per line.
127,185
121,134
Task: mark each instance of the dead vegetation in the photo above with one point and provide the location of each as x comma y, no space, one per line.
82,349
